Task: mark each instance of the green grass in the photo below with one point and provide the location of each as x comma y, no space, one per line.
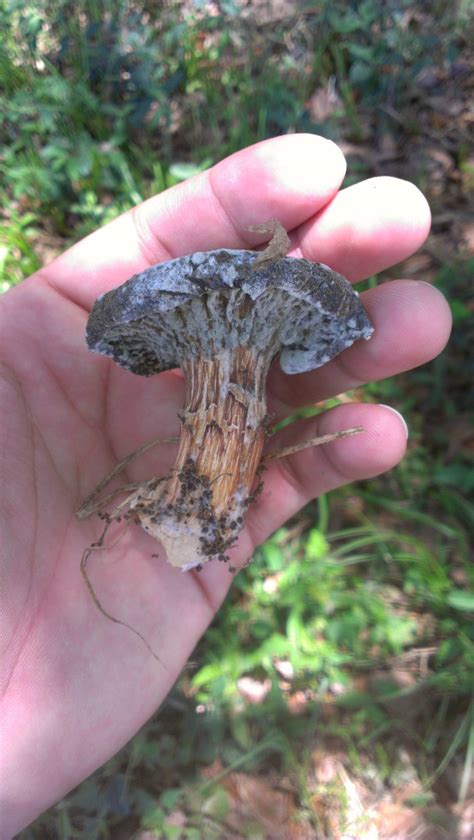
17,254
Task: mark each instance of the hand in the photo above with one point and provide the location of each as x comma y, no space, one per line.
76,686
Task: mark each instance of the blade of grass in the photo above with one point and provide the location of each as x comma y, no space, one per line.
469,761
414,515
274,742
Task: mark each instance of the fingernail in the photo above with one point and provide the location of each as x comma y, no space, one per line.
400,417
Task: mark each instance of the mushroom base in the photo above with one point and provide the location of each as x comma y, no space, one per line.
198,512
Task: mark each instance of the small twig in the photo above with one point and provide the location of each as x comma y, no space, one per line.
89,506
221,475
95,506
144,485
278,246
98,546
317,441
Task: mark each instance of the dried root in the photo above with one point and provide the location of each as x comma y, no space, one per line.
317,441
91,503
94,504
99,546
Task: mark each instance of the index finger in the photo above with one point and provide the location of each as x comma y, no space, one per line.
290,178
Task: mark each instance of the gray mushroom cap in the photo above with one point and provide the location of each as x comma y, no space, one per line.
208,301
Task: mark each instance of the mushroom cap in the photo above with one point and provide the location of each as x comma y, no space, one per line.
208,301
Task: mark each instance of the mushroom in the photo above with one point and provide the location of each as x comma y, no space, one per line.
222,316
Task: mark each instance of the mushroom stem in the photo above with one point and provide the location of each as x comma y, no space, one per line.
200,508
222,422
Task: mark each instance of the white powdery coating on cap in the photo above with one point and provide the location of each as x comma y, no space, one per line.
195,305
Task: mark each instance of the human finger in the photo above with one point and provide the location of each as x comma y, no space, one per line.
289,178
367,227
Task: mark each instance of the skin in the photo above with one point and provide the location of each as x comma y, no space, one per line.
75,686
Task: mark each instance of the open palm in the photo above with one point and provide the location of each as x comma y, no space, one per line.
75,686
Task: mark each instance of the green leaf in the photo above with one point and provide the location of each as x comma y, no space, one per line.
360,72
360,51
459,311
276,645
170,798
457,475
172,832
217,805
207,674
274,558
242,732
458,599
153,818
316,546
344,24
183,171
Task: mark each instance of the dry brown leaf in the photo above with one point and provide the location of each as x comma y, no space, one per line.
254,797
465,816
177,819
254,691
468,235
297,703
397,822
324,101
421,263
